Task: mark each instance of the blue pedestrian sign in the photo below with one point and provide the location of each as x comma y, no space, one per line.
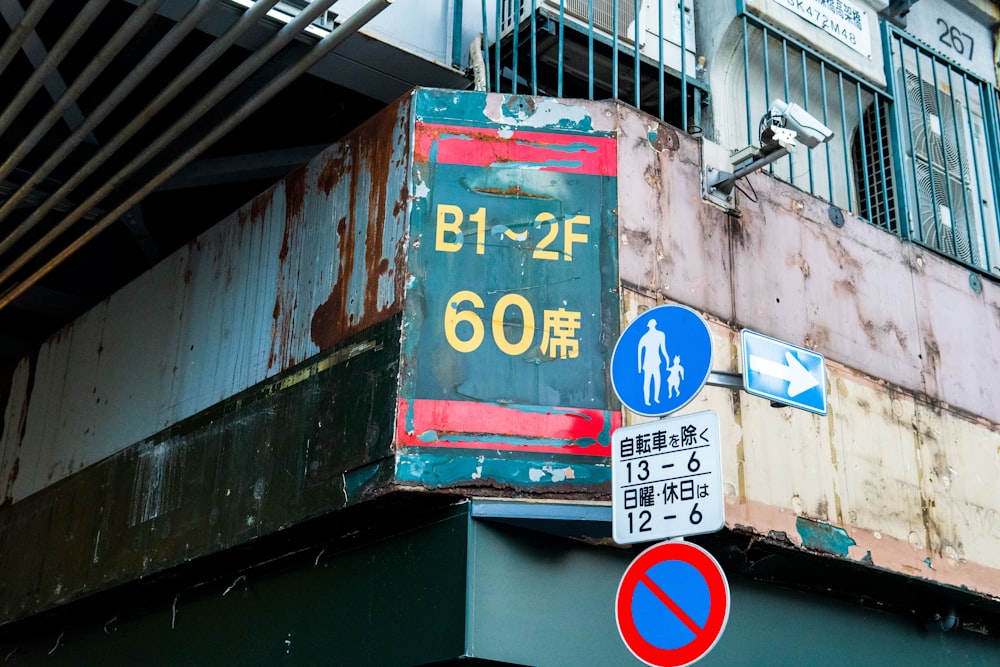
661,360
783,373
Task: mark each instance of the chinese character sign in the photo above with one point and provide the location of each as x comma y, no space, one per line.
513,261
840,18
667,479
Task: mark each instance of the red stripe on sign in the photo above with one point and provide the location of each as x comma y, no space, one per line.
471,425
505,147
669,603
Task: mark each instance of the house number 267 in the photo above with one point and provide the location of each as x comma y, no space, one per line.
958,41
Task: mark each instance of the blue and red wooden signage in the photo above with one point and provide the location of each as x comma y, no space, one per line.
672,604
512,306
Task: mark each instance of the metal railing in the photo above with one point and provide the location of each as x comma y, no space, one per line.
628,50
775,66
947,154
920,159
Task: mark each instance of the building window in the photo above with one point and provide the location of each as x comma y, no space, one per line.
921,159
874,177
946,121
764,64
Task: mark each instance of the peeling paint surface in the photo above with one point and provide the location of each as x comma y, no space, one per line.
901,474
511,310
313,260
466,424
486,474
823,537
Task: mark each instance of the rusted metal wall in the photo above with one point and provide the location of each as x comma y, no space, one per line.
302,356
312,261
245,384
901,474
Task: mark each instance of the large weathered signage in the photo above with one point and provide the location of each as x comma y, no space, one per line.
512,305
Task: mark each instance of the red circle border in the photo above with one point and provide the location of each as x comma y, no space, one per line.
718,615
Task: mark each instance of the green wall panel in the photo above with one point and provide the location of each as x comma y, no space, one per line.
549,602
396,601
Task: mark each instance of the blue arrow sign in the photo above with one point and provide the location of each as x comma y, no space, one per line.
783,373
661,360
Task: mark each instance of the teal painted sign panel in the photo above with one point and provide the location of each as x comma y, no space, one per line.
512,309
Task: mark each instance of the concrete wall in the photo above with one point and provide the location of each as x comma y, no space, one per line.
902,471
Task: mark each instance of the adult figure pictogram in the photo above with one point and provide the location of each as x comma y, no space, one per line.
647,378
652,349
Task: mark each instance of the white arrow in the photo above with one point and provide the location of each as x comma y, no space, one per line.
798,378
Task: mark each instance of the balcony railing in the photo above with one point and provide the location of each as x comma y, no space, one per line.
919,158
946,154
628,50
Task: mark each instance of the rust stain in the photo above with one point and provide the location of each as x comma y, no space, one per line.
818,337
282,325
8,496
22,419
373,154
326,319
404,197
260,204
331,172
512,191
737,230
846,286
797,260
931,356
295,197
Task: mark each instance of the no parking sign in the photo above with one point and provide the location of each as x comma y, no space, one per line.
672,604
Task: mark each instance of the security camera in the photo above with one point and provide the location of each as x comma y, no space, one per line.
780,128
786,122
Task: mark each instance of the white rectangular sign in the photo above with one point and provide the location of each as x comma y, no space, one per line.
666,479
839,18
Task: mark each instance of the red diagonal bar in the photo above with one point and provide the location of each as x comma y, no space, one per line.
695,629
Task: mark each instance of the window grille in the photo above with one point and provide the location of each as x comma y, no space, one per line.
764,65
877,193
598,49
947,156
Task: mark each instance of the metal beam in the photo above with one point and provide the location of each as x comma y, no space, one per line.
37,54
136,225
261,97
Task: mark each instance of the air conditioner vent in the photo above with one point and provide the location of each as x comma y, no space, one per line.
944,208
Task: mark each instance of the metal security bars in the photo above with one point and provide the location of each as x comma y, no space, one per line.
770,65
637,51
921,159
947,157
